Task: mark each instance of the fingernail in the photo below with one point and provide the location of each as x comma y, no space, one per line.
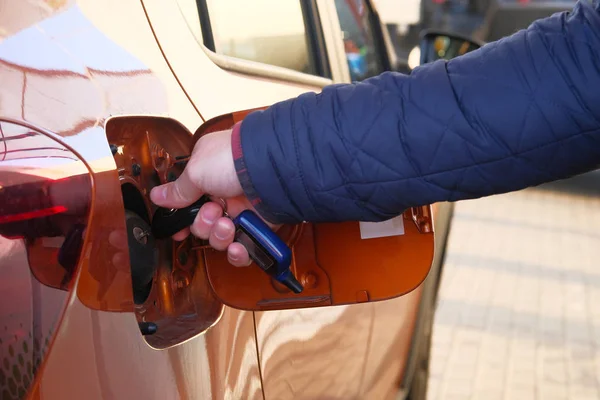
159,193
221,232
209,216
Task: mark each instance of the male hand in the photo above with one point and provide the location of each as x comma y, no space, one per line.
210,169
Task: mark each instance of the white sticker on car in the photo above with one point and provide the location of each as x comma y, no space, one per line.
391,227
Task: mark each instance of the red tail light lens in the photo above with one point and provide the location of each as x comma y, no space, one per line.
27,215
45,194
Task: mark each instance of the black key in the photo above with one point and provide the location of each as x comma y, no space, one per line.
167,222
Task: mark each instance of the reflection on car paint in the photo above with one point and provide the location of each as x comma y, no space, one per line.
98,354
67,49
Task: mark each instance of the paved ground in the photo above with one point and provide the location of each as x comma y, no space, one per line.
519,309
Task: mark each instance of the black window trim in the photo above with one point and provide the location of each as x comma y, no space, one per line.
205,26
316,38
377,29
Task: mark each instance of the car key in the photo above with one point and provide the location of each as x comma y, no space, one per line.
167,222
265,248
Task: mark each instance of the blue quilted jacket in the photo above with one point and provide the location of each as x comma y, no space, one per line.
516,113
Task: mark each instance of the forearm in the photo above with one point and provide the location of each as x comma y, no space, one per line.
517,113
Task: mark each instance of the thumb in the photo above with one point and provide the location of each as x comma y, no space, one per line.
177,194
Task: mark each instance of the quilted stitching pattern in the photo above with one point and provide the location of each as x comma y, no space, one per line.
519,112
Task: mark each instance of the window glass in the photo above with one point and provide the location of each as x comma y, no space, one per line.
359,40
267,31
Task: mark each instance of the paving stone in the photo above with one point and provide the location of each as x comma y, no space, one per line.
529,325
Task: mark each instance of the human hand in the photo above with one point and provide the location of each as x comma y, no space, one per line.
211,170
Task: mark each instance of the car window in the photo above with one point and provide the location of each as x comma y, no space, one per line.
359,39
272,32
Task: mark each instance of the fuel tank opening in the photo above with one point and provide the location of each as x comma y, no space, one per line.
143,255
134,201
173,298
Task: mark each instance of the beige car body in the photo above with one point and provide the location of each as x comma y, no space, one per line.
342,352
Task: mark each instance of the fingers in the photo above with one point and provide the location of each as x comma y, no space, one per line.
120,261
207,216
238,255
181,235
177,194
211,225
221,236
118,239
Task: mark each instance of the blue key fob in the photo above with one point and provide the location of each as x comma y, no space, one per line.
266,249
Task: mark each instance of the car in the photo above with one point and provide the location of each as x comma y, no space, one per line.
502,18
100,102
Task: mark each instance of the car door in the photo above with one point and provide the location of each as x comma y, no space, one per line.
326,352
393,321
302,351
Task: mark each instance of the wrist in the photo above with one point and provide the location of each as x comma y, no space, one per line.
244,177
239,164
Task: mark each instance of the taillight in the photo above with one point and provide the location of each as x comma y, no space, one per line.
28,215
45,196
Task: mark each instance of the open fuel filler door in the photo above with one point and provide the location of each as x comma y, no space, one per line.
336,263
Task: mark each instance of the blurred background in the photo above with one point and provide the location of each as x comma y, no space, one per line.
483,20
518,314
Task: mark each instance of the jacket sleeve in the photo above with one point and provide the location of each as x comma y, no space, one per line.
516,113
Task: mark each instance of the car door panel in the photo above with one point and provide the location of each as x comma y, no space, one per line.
314,353
113,362
289,351
340,352
219,89
389,345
